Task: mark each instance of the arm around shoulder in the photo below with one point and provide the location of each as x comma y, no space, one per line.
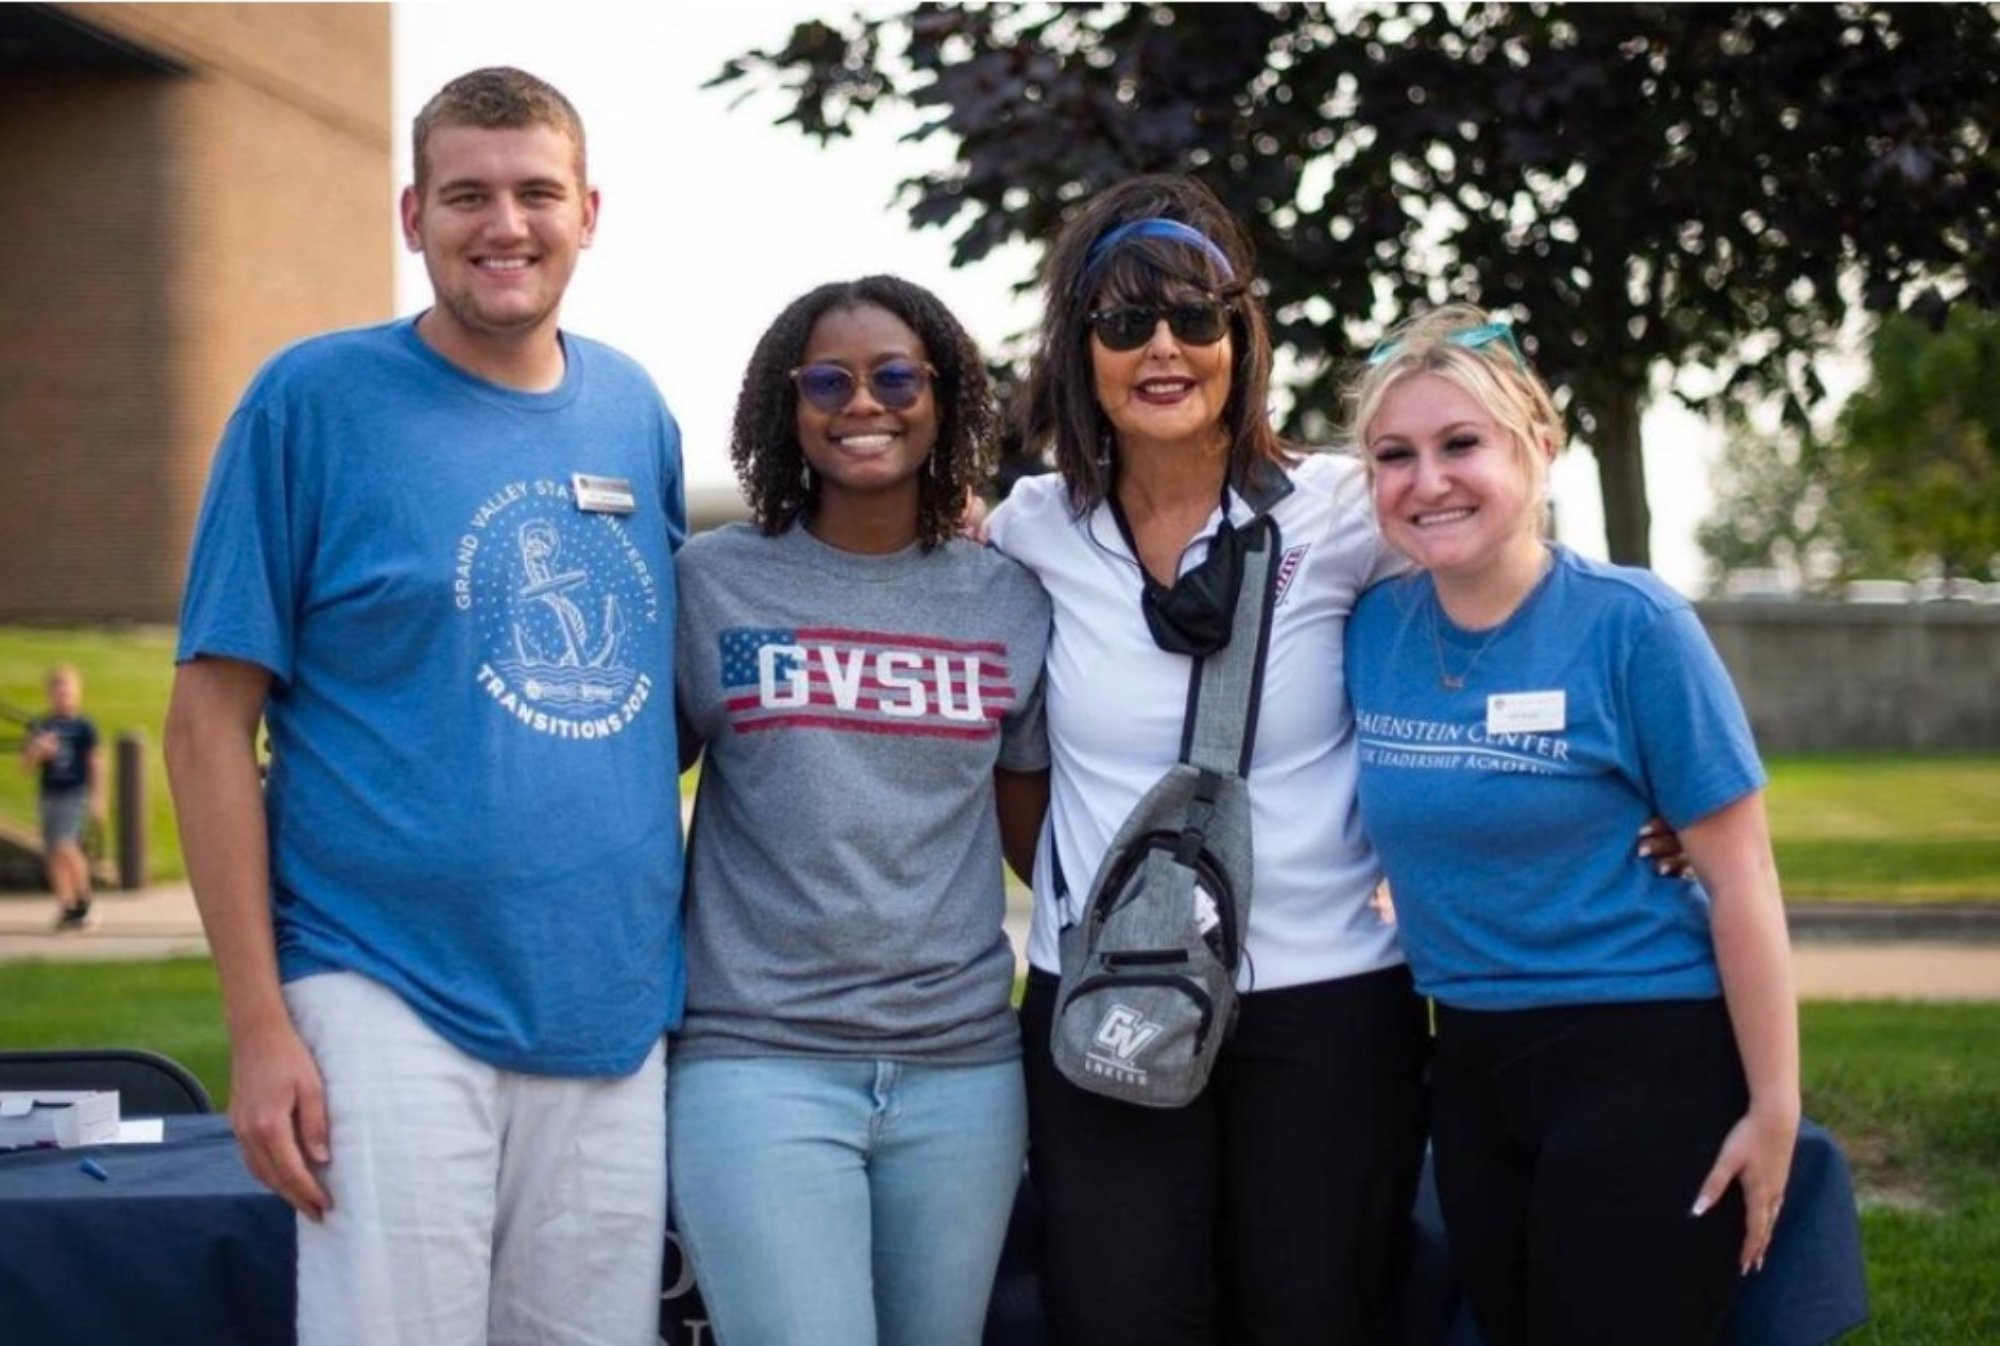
1022,798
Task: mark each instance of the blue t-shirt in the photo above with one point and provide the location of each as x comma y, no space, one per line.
76,739
1509,831
472,794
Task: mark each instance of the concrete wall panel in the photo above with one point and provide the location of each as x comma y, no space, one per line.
1823,677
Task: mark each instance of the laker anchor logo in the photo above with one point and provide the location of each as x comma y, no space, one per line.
578,674
555,594
1121,1035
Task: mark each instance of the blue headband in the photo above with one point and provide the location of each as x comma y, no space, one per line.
1155,227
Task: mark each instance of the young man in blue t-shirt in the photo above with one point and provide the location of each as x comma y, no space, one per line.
436,561
62,749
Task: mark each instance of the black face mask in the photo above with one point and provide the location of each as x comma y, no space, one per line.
1194,615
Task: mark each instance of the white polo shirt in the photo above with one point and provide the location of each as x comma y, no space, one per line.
1116,702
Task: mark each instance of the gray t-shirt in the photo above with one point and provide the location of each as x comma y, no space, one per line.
844,889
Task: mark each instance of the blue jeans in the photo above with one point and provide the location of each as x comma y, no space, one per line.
844,1202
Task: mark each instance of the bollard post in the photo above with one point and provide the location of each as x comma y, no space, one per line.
131,782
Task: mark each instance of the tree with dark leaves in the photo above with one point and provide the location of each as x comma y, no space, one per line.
1646,189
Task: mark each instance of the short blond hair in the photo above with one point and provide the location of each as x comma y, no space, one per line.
1493,373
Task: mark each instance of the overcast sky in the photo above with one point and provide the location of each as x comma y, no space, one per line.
713,219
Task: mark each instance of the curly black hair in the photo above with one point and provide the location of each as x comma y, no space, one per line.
764,439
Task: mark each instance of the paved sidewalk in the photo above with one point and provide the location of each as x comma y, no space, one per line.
1843,951
154,923
1897,970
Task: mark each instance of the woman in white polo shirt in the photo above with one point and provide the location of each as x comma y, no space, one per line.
1273,1209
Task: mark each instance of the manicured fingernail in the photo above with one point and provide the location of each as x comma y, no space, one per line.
1700,1207
1665,869
1645,848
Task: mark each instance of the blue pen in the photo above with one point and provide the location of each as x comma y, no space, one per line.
95,1170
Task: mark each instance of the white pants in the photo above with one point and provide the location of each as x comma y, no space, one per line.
472,1205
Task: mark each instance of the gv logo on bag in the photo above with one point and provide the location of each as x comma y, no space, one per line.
1150,959
1123,1033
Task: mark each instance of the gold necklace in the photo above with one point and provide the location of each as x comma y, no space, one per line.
1455,682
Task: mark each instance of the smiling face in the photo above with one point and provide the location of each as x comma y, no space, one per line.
1167,391
500,220
866,449
1454,490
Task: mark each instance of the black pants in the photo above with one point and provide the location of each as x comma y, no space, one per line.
1271,1211
1570,1145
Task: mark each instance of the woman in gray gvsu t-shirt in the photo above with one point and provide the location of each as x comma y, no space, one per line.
845,1096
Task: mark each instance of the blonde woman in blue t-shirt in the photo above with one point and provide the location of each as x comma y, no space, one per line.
1616,1089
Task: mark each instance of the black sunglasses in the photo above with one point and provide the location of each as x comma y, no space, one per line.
1130,326
896,384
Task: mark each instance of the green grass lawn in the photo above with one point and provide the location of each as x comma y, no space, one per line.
173,1007
1913,1091
1903,828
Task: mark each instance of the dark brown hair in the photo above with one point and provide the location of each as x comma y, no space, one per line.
764,440
1058,403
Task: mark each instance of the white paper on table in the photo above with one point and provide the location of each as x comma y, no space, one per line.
68,1118
139,1131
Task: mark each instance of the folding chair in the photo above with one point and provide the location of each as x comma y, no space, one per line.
148,1084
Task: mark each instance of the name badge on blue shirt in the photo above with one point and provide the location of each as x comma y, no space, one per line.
1527,712
602,495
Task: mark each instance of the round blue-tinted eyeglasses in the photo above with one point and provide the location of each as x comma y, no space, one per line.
896,384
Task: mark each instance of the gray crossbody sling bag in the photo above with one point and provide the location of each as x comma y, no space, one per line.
1148,989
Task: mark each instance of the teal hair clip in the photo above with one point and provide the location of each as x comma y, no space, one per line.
1472,338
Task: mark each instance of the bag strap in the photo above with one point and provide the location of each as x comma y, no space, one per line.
1219,728
1219,732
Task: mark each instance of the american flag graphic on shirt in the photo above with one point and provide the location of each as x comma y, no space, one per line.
863,682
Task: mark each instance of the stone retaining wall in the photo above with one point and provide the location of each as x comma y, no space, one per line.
1826,676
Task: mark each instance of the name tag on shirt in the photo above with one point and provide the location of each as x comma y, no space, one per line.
1527,712
602,495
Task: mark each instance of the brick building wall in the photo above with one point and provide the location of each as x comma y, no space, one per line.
175,216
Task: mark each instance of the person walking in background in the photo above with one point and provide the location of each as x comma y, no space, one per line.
62,748
847,1111
1616,1093
436,559
1273,1210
